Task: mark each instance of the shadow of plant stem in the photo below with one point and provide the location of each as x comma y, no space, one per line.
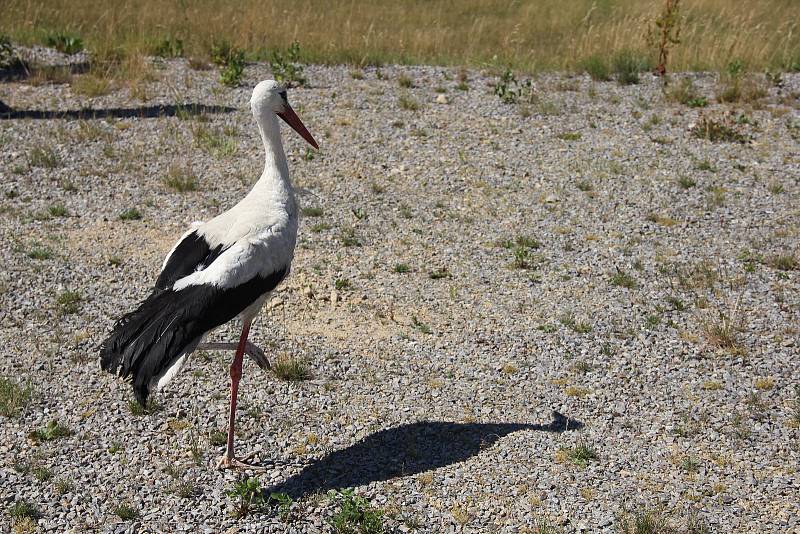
406,450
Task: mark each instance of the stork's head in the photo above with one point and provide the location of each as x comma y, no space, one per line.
269,97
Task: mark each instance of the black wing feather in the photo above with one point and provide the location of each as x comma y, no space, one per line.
147,341
192,254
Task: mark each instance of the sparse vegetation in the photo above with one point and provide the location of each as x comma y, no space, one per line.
735,86
219,142
722,332
168,47
91,85
63,486
439,274
39,252
51,431
596,66
312,212
718,130
627,65
14,397
581,454
623,279
686,93
43,156
784,262
23,509
291,368
58,210
522,247
642,521
126,512
130,214
180,179
69,302
569,136
419,325
348,237
152,406
405,82
408,102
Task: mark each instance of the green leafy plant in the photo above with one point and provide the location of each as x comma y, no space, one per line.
284,504
248,496
511,91
64,42
355,515
286,66
232,74
231,59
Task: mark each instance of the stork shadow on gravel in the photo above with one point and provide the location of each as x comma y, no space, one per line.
406,450
143,112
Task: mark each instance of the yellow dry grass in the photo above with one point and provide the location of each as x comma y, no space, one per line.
528,35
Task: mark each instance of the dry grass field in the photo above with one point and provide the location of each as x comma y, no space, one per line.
525,35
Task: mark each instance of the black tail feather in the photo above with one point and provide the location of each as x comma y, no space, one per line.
148,341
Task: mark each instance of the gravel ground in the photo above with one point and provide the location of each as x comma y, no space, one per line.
474,267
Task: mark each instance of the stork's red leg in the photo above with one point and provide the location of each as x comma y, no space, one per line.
229,460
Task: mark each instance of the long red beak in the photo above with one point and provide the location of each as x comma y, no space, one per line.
290,117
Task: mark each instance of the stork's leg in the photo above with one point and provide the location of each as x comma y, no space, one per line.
249,348
229,460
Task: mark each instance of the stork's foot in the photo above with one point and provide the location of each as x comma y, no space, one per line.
227,461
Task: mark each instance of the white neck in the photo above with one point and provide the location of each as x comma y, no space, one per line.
276,169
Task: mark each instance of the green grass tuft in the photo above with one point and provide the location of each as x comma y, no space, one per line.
13,397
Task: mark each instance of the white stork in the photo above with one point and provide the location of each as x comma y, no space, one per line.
222,269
